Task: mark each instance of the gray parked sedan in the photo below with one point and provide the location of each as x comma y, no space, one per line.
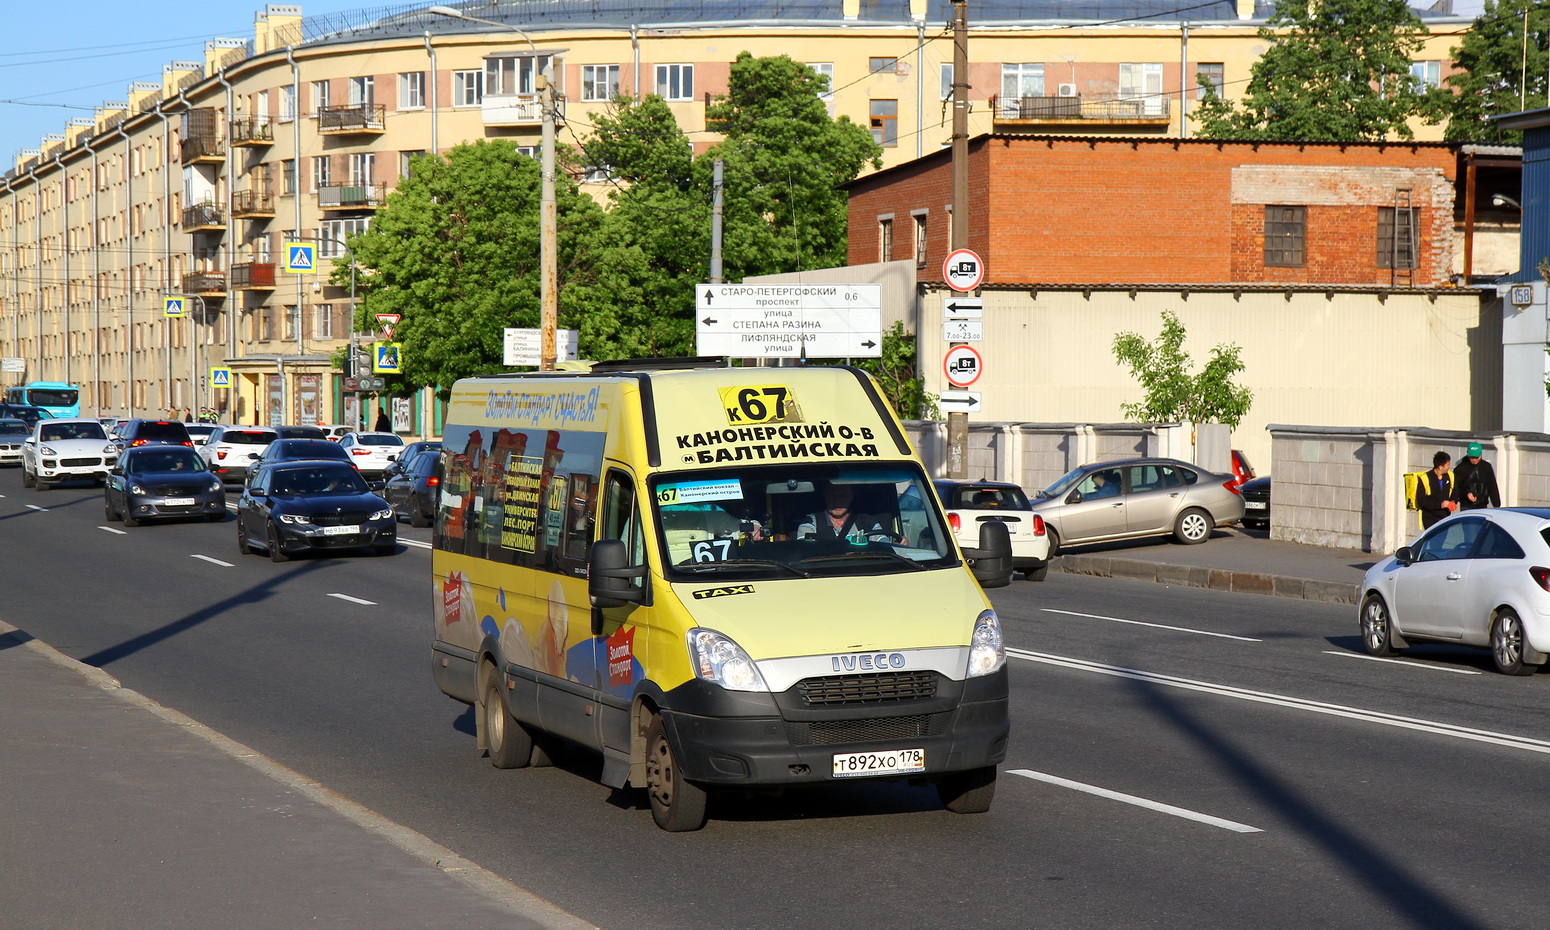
1135,498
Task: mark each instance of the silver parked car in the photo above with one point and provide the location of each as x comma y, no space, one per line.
1477,578
1137,497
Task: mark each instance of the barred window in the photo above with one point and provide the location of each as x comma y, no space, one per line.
1286,237
1396,242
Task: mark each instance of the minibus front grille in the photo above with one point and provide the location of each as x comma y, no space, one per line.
876,729
868,689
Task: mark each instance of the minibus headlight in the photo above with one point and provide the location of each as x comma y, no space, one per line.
986,652
717,658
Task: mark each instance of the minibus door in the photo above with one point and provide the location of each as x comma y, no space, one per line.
617,643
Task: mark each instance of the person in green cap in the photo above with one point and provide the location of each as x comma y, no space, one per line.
1474,484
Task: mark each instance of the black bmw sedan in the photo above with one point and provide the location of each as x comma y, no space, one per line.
293,507
155,482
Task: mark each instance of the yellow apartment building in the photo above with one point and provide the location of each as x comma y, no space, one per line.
187,191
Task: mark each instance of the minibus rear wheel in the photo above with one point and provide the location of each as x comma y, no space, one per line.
676,805
968,792
507,741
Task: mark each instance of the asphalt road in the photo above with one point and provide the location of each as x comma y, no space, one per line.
1180,757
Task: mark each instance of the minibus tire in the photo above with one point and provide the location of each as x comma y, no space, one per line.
676,805
968,792
508,743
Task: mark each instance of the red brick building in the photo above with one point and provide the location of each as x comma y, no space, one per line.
1062,210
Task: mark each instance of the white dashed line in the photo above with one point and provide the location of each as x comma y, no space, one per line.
1158,806
205,558
37,508
113,530
354,600
414,542
1160,626
1434,668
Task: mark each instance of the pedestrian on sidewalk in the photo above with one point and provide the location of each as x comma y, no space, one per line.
1434,495
1475,481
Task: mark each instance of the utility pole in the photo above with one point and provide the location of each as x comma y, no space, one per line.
958,421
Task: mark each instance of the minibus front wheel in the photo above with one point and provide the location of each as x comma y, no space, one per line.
676,805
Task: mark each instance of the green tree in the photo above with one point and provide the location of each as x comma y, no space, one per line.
455,252
896,376
1172,392
1495,67
1335,70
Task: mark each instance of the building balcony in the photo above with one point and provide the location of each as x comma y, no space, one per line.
1089,110
352,119
252,131
205,283
252,205
204,217
352,197
517,109
252,276
204,150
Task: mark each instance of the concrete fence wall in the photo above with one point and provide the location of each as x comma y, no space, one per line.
1345,487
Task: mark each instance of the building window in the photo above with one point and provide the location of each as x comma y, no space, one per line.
363,91
405,162
290,322
534,152
1022,80
1397,242
514,75
1144,82
287,103
362,167
599,82
320,172
288,177
885,240
825,69
467,88
883,65
333,234
319,95
884,119
597,174
1285,236
266,323
1212,75
1427,74
920,239
411,90
675,82
947,81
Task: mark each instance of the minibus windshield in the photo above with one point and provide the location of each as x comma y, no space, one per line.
808,520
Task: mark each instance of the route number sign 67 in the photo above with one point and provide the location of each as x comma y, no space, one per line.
768,403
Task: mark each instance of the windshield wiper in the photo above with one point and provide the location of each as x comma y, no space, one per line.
869,554
741,563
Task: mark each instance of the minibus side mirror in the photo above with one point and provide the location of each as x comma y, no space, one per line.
991,563
609,574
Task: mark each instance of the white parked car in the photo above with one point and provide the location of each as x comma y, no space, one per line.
969,504
66,450
372,452
1477,578
231,449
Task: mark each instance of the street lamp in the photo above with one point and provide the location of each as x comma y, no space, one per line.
548,249
1502,200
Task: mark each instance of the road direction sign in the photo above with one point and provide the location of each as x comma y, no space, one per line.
220,377
963,308
962,365
962,331
387,321
300,258
959,401
174,306
963,270
526,346
789,320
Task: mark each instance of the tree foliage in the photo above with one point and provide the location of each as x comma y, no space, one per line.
1172,392
1334,70
897,378
1497,73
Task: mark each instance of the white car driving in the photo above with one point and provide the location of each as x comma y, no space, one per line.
372,452
970,504
66,450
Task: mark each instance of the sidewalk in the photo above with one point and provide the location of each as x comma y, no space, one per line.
1231,560
115,809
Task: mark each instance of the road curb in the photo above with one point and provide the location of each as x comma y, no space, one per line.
1192,576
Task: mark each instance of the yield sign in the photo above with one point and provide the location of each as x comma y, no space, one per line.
387,321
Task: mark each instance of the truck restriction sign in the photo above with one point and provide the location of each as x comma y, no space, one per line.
963,270
962,365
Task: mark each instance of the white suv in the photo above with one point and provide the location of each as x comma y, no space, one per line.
66,450
231,449
371,452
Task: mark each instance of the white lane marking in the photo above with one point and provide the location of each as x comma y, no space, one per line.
354,600
1160,626
1158,806
206,558
1405,662
1281,700
414,542
37,508
115,530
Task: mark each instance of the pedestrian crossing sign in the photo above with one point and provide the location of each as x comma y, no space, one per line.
220,377
386,359
299,258
173,306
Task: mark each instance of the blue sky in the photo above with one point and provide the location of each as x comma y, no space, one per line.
60,59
